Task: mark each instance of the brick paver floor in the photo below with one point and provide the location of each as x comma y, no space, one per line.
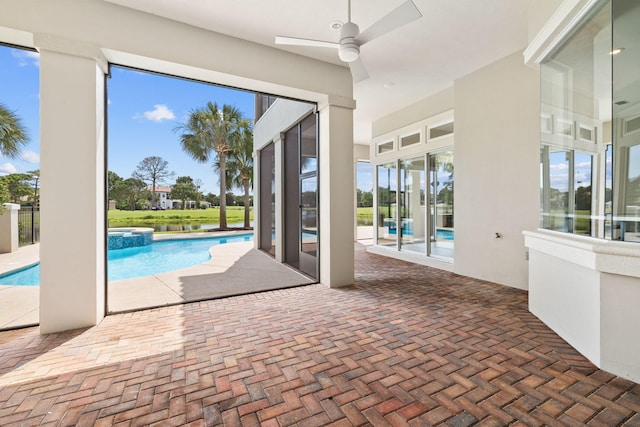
406,345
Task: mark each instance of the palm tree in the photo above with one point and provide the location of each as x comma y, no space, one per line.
209,134
13,136
240,169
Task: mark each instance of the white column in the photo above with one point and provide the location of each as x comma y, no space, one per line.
336,193
72,247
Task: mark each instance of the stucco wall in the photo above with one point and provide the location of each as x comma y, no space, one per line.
497,128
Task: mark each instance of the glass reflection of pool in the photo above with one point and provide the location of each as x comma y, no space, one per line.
444,234
158,257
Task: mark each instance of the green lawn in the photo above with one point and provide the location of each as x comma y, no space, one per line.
235,214
365,216
118,218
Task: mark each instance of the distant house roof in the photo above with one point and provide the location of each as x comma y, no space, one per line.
161,189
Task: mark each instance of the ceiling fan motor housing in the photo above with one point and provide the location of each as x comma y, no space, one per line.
349,49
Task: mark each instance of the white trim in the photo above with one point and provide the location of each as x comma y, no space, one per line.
561,23
606,256
385,141
392,252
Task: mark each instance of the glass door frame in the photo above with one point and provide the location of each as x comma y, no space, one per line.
430,222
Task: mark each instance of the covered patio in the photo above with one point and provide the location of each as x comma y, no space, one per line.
405,345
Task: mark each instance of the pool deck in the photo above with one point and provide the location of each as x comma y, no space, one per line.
19,305
234,269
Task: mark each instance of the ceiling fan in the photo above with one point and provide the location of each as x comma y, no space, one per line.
351,38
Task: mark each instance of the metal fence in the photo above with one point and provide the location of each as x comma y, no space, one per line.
28,225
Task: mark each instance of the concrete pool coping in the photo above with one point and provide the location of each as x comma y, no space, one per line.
235,268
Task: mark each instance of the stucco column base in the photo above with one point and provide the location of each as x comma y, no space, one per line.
9,228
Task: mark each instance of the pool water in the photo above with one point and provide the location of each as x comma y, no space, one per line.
158,257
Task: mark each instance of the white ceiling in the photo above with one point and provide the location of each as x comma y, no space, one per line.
453,38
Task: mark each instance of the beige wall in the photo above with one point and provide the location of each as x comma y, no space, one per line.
497,134
496,162
428,107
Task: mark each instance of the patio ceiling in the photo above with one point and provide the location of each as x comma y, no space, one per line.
452,39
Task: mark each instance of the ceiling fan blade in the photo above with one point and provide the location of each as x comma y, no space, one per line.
295,41
402,15
358,70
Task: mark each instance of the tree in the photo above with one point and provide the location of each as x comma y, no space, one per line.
184,189
112,180
13,136
198,183
153,170
213,199
230,199
4,194
240,168
17,186
209,134
35,182
367,199
128,192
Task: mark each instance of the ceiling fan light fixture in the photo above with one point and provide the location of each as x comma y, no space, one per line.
349,52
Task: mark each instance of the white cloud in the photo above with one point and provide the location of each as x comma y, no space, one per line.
559,166
159,113
583,165
7,168
30,156
26,57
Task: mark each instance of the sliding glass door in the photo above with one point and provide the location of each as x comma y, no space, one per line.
412,230
441,204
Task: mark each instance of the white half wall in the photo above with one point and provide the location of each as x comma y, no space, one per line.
587,290
496,158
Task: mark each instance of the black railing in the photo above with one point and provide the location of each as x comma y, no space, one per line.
28,225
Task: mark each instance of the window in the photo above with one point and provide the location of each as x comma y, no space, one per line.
409,140
590,160
573,194
385,147
440,130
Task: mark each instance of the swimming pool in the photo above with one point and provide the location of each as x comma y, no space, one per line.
158,257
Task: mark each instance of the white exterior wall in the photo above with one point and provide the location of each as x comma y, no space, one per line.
587,290
75,37
497,145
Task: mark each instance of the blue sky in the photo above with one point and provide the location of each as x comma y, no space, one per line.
143,111
20,92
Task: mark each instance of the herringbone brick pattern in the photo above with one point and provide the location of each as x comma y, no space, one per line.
407,345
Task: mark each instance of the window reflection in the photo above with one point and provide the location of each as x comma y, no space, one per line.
387,232
308,155
412,205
